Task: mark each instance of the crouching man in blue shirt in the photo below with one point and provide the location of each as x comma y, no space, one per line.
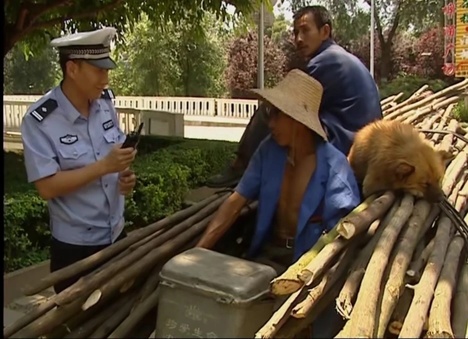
303,184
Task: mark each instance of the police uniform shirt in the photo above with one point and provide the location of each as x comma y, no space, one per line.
56,137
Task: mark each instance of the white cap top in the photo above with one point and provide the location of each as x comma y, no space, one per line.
101,36
93,46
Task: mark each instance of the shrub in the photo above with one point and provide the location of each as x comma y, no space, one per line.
460,112
166,169
408,84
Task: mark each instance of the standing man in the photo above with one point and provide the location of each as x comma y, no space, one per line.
72,149
350,96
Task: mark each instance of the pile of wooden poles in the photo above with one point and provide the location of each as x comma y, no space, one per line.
387,263
395,266
122,288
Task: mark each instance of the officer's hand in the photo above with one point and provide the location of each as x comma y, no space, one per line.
127,180
119,159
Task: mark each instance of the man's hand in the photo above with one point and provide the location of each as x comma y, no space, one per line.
127,180
118,159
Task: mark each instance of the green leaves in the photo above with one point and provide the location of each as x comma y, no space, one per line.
36,21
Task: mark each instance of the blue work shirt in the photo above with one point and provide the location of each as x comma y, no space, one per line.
332,190
65,140
350,98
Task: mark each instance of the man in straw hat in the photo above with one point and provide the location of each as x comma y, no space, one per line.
350,97
72,149
303,184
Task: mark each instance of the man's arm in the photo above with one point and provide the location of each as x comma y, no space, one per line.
43,169
224,218
247,189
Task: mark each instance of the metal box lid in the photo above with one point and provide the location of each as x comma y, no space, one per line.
232,279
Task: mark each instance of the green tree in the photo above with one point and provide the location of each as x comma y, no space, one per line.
26,74
171,61
37,21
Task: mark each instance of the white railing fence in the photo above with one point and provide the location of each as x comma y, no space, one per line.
15,106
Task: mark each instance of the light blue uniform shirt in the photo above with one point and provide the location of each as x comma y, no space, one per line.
332,193
56,137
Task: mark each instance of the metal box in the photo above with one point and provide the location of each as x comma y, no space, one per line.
205,294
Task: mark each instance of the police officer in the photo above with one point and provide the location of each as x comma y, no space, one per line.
73,155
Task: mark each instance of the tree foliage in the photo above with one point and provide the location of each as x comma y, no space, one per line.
37,21
171,61
26,74
241,73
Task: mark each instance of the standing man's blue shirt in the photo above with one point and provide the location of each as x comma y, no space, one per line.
350,99
66,140
332,190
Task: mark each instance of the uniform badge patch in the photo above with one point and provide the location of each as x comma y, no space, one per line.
69,139
108,125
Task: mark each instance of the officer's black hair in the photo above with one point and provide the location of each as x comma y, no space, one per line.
63,64
321,15
63,59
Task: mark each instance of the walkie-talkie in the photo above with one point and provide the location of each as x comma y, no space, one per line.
133,138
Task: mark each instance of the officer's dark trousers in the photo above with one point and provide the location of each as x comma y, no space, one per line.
63,255
254,133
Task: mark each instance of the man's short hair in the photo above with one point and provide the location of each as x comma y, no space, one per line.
321,15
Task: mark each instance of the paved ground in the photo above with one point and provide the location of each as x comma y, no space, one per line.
23,305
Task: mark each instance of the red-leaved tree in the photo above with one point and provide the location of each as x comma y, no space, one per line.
241,73
429,50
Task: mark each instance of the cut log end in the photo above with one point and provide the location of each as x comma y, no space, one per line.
443,334
346,229
284,286
92,300
395,327
127,286
344,307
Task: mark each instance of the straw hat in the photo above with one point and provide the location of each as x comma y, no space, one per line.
297,95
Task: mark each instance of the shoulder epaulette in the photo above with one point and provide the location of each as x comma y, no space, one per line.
43,111
107,94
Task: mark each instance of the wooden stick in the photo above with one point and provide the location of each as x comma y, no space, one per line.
326,257
400,312
424,290
442,93
115,319
348,293
49,321
415,269
84,330
111,251
433,215
92,281
362,322
460,316
139,312
447,140
293,326
439,315
323,260
289,282
457,188
355,224
403,253
328,280
453,171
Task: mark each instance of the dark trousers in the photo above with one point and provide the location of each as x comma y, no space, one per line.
256,130
63,255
